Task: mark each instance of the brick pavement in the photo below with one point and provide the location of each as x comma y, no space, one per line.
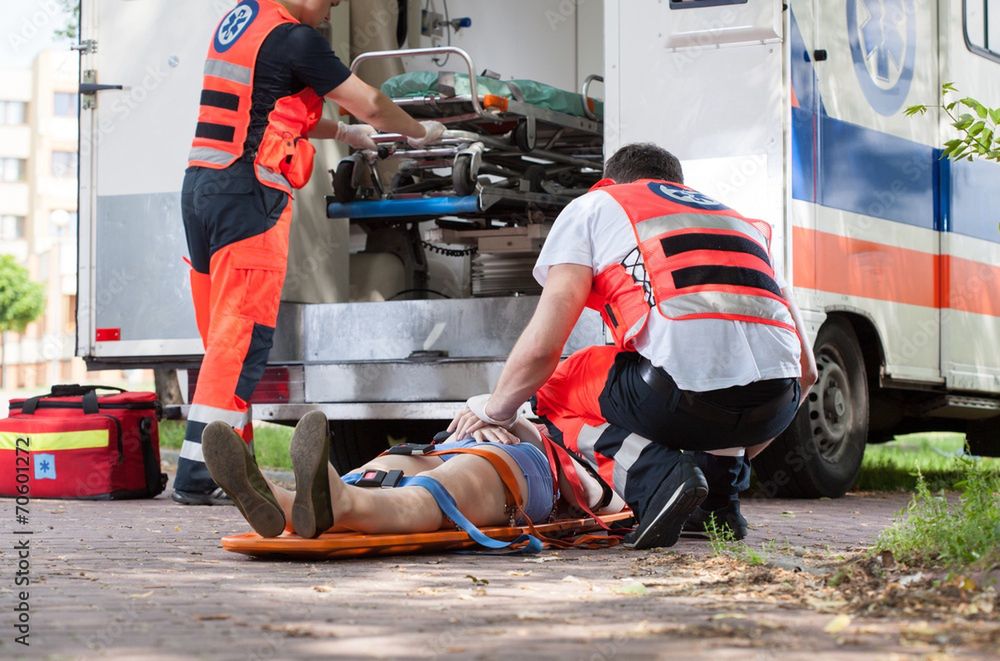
147,579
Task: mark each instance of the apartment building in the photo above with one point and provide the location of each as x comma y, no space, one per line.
38,219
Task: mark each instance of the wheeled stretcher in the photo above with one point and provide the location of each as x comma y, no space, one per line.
509,145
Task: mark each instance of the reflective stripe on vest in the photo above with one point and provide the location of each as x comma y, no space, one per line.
700,260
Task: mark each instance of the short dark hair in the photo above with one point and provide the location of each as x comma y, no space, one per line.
643,160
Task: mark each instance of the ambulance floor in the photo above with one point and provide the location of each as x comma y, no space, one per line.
148,579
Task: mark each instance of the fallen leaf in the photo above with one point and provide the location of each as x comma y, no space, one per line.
838,624
633,588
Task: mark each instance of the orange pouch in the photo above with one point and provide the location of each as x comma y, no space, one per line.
298,166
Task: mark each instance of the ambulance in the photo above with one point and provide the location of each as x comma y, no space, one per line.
791,112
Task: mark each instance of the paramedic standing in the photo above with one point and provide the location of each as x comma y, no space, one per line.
265,78
710,354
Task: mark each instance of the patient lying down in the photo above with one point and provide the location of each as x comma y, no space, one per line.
473,476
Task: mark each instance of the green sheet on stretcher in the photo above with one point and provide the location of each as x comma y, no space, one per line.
425,83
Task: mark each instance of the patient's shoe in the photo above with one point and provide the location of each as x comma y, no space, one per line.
726,518
312,513
233,468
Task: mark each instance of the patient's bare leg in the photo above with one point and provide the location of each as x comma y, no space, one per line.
471,480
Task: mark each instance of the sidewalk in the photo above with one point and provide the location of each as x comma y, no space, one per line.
147,580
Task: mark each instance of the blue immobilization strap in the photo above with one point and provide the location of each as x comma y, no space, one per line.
450,509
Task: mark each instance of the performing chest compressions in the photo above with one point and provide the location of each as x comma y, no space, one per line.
284,158
700,260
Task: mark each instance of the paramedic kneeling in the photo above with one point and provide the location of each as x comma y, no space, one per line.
709,353
266,74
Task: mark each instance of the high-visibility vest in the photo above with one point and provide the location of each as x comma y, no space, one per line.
699,260
284,156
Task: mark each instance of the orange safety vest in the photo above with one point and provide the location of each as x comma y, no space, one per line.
699,260
284,156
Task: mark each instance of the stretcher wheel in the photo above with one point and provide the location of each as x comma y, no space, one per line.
343,187
524,140
462,177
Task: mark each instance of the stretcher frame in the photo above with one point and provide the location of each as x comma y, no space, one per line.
345,545
535,156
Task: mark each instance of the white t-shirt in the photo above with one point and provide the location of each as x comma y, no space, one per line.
700,354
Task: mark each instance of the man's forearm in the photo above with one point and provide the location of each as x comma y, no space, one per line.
326,129
530,364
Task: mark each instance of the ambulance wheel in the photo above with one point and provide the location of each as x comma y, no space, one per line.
820,453
343,186
462,177
356,442
983,437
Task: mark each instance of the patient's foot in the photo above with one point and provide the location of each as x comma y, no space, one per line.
312,513
233,468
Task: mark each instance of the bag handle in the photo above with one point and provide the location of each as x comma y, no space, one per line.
89,394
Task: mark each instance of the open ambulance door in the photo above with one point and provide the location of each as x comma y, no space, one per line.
141,66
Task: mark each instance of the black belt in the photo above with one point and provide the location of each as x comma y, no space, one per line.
693,403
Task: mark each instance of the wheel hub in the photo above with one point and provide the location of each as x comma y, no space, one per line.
830,413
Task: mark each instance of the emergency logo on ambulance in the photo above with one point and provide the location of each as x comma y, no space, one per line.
235,24
685,196
882,34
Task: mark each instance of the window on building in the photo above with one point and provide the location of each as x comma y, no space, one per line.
13,112
13,169
64,164
62,223
982,27
11,227
65,104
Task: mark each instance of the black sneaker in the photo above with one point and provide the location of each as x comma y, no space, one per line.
726,518
214,497
678,495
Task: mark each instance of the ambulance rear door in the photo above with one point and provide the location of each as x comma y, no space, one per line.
141,65
704,79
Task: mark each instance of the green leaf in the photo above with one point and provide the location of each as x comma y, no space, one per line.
995,115
964,122
948,87
915,110
976,128
978,107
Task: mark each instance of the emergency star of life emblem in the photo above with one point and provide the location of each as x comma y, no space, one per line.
883,46
689,198
234,24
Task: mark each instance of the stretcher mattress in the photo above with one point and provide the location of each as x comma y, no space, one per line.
340,545
415,84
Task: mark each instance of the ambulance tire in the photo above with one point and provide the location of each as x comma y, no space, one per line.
983,437
820,453
343,182
356,442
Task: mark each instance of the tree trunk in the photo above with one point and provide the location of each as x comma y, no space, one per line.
168,389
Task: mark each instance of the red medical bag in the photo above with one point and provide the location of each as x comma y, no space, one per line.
72,443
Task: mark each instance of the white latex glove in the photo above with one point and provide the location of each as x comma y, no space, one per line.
432,133
356,135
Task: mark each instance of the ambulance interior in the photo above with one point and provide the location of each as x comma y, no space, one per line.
450,256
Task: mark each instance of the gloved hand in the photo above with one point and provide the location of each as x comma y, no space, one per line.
356,135
433,132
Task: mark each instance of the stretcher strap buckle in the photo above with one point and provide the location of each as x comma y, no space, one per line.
379,479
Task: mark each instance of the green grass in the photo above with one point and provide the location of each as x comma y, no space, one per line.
937,456
723,542
270,442
934,531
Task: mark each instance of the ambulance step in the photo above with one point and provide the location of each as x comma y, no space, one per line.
961,407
